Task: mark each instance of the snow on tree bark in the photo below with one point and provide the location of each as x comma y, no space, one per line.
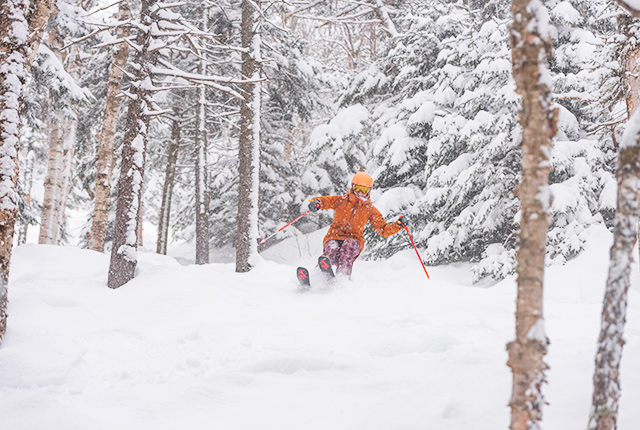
27,181
167,189
383,15
631,6
48,232
14,50
68,152
125,238
62,139
202,204
531,50
249,141
104,163
38,17
606,379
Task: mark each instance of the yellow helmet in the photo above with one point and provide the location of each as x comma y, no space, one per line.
362,178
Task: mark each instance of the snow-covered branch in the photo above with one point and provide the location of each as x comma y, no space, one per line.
631,6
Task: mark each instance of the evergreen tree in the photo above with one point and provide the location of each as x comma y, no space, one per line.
443,147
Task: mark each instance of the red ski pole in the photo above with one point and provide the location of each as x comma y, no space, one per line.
263,241
417,253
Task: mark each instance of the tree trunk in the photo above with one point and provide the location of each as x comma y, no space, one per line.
38,18
202,200
104,163
14,50
249,142
27,179
62,139
606,379
125,239
531,49
48,227
167,189
68,152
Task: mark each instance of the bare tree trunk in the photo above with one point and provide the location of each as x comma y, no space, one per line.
125,239
62,139
249,142
139,240
531,49
104,163
606,379
68,152
27,179
628,26
48,228
202,200
38,18
14,52
167,190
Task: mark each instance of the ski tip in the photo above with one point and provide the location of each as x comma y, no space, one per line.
303,276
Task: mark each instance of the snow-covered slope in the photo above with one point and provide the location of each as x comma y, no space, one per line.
202,347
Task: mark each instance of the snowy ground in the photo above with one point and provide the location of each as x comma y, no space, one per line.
201,347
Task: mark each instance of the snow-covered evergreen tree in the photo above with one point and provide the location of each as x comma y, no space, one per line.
443,145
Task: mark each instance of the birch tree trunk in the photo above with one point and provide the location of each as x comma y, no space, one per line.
27,180
104,163
125,239
167,189
38,18
48,230
606,379
249,142
62,138
68,152
531,49
14,50
15,60
202,200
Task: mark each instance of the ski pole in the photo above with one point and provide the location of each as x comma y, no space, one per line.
417,253
263,241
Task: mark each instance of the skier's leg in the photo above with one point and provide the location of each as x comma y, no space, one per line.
332,250
349,250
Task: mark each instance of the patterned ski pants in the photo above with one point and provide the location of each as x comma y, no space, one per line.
342,253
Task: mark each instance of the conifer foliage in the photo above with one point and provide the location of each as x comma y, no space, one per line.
442,138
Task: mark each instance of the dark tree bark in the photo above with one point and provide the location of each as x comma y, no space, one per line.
125,238
531,49
249,142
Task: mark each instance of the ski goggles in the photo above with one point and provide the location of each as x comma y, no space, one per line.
361,188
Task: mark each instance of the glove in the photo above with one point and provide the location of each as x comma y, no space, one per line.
314,205
403,222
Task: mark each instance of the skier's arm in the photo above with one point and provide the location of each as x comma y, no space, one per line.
327,202
380,225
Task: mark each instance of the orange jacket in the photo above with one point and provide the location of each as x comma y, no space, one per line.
351,215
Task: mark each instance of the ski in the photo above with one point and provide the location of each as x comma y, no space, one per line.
303,277
325,267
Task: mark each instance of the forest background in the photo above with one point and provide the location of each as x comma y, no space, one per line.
423,100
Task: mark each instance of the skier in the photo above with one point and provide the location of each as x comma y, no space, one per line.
344,241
